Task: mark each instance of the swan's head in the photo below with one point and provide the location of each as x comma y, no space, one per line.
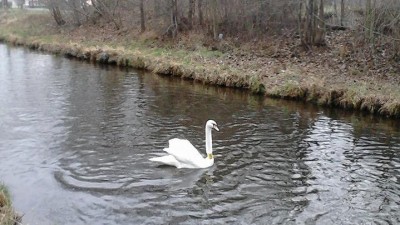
211,124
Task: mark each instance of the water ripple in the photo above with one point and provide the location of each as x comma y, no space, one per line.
75,140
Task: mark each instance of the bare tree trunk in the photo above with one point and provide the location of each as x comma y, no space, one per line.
299,18
225,6
342,13
336,16
369,21
142,17
214,18
85,8
157,8
314,26
191,13
108,11
308,26
55,11
5,4
174,17
262,15
200,8
75,9
321,22
320,30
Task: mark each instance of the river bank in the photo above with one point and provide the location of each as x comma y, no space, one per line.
7,214
326,76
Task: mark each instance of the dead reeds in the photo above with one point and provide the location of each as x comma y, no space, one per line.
210,67
7,214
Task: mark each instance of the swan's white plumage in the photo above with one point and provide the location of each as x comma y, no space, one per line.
185,153
182,154
167,159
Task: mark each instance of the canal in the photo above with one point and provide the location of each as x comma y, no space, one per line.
75,140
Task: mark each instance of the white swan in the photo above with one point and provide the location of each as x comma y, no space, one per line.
182,154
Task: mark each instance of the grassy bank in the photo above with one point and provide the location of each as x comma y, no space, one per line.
324,77
7,214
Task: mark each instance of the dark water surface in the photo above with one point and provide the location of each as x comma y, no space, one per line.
75,139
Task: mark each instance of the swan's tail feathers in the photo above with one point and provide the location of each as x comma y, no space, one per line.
167,160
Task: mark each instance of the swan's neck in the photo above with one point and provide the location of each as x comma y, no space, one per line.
209,144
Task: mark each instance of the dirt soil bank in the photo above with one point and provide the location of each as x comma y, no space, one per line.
331,76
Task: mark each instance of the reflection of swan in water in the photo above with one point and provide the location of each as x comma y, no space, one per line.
189,178
169,178
182,154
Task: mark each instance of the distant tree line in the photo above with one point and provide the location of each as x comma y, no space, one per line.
5,4
243,19
19,3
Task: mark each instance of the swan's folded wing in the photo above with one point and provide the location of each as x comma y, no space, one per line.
184,151
167,159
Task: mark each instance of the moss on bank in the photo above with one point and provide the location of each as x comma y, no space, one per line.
314,83
7,214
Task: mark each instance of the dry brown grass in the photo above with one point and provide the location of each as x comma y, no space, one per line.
7,214
390,108
263,70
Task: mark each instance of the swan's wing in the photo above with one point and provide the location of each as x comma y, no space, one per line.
184,152
168,160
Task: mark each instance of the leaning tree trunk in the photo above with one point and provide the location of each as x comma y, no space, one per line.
55,12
